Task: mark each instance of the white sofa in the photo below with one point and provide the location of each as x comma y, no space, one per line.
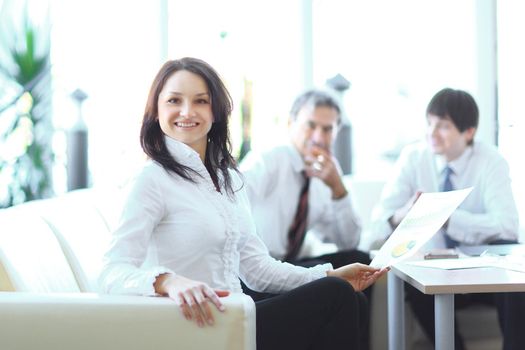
50,256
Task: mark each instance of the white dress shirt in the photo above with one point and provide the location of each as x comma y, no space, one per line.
489,211
169,224
273,181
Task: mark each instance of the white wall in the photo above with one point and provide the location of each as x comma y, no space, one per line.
111,50
511,75
396,55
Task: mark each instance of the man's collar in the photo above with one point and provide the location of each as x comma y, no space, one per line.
458,165
297,160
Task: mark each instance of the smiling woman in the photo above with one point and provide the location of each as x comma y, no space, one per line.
163,246
185,110
188,102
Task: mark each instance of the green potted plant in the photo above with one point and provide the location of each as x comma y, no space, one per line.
26,130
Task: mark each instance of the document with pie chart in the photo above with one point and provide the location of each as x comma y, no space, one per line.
425,218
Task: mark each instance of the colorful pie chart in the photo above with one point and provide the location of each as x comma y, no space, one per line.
403,248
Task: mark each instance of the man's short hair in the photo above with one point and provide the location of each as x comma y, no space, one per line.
315,98
457,105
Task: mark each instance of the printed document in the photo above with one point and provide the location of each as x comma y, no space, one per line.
425,218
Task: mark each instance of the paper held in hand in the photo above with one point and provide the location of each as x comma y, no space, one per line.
424,219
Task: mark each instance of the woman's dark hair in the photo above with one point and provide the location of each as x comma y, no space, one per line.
457,105
218,152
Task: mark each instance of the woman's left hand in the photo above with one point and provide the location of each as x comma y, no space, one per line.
360,276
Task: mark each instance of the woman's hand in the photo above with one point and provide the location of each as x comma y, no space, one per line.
360,276
191,296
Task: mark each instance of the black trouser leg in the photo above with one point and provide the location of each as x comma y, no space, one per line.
319,315
339,259
511,312
256,296
364,321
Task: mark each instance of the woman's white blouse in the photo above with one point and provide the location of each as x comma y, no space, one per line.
169,224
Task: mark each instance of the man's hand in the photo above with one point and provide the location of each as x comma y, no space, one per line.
320,163
400,214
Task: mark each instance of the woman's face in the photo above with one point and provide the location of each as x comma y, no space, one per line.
184,107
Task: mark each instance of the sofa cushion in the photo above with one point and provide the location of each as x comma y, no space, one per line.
30,255
82,232
5,281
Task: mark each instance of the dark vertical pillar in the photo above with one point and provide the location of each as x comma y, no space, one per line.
77,159
343,141
343,147
77,148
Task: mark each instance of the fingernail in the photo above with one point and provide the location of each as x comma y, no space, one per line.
210,321
200,323
222,308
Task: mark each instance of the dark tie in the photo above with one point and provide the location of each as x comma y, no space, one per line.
447,186
297,230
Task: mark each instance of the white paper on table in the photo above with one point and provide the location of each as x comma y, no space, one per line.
425,218
509,262
451,264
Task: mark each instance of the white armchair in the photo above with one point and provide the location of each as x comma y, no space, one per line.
50,256
87,321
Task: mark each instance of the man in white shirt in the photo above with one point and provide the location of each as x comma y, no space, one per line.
450,159
277,179
274,179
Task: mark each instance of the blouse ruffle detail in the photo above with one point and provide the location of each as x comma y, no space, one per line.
223,203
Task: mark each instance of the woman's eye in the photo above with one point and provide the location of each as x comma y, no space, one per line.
173,100
202,101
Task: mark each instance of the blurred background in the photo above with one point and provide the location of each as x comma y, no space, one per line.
74,76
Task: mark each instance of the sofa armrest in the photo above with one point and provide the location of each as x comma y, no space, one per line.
92,321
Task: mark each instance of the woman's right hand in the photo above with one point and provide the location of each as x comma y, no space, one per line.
191,296
360,276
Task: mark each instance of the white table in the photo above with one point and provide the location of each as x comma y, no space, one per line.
443,284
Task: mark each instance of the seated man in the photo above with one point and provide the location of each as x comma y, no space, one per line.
450,159
297,186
